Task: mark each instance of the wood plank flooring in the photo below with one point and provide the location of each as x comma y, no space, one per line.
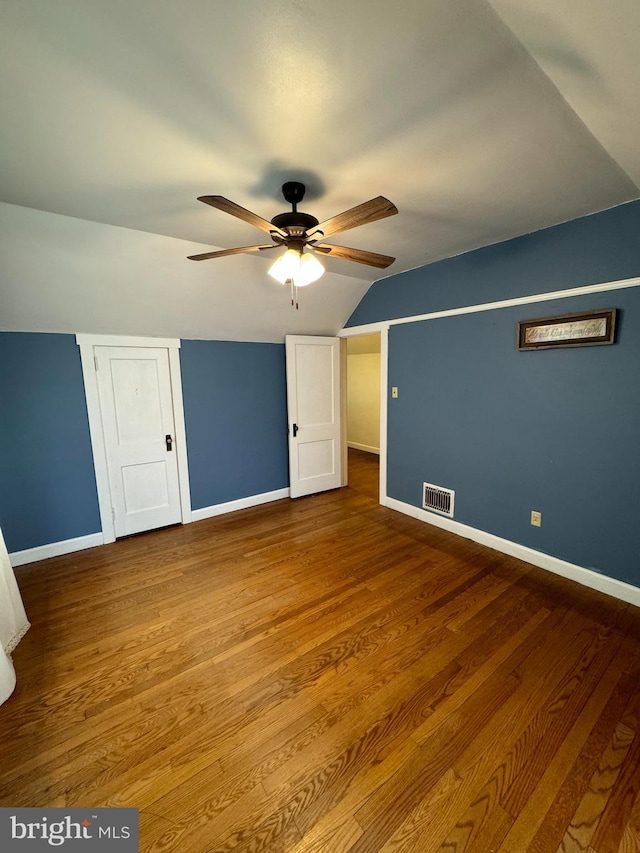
327,675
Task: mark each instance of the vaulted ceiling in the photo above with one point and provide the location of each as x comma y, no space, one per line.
480,121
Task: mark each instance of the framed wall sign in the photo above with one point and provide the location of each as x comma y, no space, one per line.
568,330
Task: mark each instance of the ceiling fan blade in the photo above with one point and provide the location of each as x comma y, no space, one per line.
222,252
372,259
362,214
234,209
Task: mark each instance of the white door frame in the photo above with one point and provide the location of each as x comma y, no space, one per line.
354,332
98,446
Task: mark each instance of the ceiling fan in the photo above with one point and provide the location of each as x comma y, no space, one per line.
296,231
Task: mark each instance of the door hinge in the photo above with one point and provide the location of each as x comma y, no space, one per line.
95,361
113,515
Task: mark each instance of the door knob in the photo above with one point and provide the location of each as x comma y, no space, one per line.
169,442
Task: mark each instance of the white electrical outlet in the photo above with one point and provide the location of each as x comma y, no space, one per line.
536,518
394,391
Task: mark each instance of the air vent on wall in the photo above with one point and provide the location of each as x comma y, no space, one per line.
438,499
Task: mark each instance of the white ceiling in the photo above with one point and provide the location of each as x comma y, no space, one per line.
478,127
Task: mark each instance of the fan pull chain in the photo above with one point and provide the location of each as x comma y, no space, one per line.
294,294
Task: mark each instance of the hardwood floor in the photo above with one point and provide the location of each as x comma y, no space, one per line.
327,675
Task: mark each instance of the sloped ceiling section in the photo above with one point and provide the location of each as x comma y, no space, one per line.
123,113
61,274
590,52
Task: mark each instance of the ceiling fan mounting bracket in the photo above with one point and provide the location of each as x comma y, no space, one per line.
293,192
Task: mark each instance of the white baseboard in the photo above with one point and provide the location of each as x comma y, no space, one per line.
367,448
587,577
68,546
55,549
242,503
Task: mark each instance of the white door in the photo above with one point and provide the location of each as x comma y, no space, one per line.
134,386
313,403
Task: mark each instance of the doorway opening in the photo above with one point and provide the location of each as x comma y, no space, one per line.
363,413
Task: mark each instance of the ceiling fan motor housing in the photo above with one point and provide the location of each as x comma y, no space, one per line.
294,223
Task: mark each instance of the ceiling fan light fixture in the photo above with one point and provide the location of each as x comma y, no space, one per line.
293,265
286,266
310,270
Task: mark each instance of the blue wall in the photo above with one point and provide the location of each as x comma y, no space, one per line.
235,411
598,248
47,484
557,430
236,420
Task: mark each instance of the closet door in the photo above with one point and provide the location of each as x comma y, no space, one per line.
136,406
